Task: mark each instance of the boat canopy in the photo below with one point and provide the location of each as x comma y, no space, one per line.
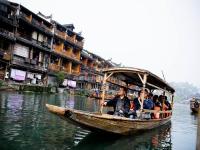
134,76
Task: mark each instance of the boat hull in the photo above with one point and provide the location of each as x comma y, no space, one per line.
194,108
105,122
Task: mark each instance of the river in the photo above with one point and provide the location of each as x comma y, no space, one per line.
25,124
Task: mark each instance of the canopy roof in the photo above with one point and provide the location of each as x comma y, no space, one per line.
130,76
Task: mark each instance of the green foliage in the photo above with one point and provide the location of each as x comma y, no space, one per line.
60,76
81,92
34,88
1,83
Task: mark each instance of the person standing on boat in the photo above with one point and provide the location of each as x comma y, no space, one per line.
120,103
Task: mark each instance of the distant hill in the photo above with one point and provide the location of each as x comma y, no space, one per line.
185,90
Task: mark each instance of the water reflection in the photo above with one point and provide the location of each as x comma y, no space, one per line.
155,139
25,123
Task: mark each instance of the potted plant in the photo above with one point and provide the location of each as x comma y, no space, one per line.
60,77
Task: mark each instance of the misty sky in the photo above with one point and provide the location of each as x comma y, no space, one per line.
150,34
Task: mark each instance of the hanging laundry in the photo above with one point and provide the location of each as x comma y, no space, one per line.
65,82
71,83
38,76
30,75
18,75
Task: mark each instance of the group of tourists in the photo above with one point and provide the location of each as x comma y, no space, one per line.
125,107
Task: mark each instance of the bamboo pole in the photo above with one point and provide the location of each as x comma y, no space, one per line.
163,103
172,102
103,92
143,88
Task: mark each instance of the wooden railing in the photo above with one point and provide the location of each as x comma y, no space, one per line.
79,43
67,70
67,53
58,48
75,72
26,17
6,54
60,34
70,39
54,67
6,32
75,56
41,25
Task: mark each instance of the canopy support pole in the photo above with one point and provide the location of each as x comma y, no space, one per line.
109,75
103,93
163,102
144,81
172,102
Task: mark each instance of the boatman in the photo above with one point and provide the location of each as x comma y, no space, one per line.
120,103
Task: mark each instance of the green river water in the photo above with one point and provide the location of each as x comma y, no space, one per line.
25,124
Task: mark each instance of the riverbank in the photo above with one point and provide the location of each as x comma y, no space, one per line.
41,89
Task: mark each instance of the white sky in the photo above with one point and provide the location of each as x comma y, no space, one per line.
150,34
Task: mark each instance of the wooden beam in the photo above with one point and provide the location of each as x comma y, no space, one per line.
158,88
140,78
109,75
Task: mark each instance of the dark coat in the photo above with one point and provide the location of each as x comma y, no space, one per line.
126,105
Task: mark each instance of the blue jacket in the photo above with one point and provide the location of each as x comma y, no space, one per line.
148,104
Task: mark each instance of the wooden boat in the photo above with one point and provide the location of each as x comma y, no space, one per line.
195,104
99,121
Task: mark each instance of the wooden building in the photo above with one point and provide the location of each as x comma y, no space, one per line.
33,49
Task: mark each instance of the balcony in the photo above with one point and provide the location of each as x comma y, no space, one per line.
5,55
75,72
28,63
8,19
66,70
67,53
72,40
58,48
60,34
28,40
36,24
41,25
26,17
6,34
54,67
75,56
80,44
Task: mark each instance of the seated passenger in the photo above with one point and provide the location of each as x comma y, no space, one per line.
157,107
164,106
120,103
155,99
147,104
150,96
168,103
